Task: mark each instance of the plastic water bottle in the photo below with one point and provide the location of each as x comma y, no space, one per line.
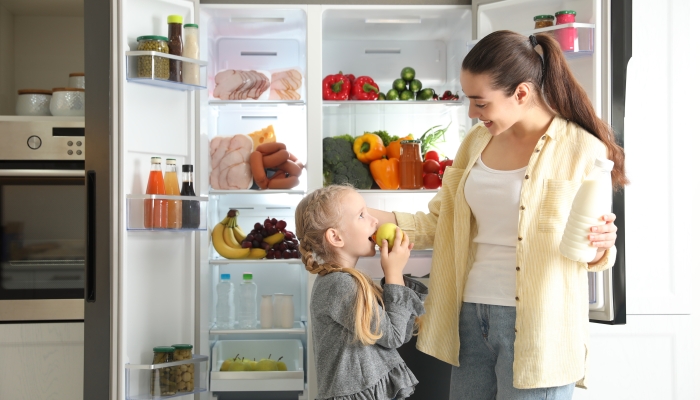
592,200
224,302
247,302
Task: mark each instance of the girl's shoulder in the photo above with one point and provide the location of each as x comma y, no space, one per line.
335,285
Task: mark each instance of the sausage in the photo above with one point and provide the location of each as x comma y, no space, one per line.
284,183
277,174
290,168
271,147
296,160
258,169
275,159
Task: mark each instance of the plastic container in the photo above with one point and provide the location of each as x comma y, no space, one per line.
284,310
67,102
224,303
175,46
543,21
593,199
155,211
247,302
184,374
190,208
163,379
33,102
266,312
410,165
190,71
172,188
567,37
153,67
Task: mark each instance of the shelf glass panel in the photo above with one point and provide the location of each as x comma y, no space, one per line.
378,107
138,204
298,329
142,74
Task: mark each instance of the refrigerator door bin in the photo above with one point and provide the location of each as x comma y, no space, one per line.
138,204
142,67
139,378
291,350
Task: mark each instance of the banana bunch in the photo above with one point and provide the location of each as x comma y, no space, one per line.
227,237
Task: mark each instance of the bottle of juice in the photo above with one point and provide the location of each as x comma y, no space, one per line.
190,208
172,188
155,211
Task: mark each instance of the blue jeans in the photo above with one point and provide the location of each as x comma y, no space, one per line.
486,353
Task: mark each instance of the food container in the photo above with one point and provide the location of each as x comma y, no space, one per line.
567,37
266,312
68,102
76,80
543,21
33,102
163,379
184,374
284,310
410,165
150,66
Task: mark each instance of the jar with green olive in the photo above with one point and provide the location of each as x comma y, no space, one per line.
151,66
184,374
163,379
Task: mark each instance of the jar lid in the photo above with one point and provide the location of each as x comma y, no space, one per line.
76,74
151,37
182,346
191,26
68,89
34,91
163,349
174,19
155,160
410,141
543,17
170,161
565,12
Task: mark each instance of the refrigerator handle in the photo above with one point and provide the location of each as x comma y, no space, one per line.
91,259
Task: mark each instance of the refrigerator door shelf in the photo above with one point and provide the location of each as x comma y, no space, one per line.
299,328
137,203
223,261
138,377
135,74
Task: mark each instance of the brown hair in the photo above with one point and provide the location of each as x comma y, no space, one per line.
317,212
510,59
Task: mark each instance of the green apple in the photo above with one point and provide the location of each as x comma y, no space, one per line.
387,231
267,365
281,366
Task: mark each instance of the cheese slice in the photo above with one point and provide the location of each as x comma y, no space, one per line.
265,135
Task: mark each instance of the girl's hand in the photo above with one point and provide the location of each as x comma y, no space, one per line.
603,236
393,263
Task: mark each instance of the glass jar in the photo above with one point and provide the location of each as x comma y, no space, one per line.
190,71
175,46
543,21
266,312
149,66
567,37
284,310
184,374
163,379
410,165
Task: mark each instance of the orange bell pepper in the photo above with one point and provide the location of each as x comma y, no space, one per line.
369,147
386,173
393,150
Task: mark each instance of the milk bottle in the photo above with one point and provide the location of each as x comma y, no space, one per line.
592,200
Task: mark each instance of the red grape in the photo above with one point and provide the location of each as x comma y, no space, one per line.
270,254
281,225
287,254
283,246
273,221
246,244
258,226
258,237
250,238
278,254
267,221
288,235
256,244
295,241
265,246
297,254
271,231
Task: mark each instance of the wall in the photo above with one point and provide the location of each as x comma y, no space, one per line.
7,66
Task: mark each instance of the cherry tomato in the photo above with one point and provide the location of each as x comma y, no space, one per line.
444,164
431,166
432,181
432,155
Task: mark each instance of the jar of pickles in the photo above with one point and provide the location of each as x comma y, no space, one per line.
184,374
151,66
163,379
543,21
410,165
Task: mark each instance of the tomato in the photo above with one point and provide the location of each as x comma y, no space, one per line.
444,164
432,155
431,166
432,181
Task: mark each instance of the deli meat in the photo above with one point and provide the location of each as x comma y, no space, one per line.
230,162
240,85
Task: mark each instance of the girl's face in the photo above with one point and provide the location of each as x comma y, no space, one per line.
357,226
493,107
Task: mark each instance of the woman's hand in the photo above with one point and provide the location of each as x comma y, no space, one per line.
603,236
393,263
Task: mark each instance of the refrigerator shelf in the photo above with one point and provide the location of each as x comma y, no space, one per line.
215,192
224,261
379,107
139,376
137,203
299,328
150,78
254,103
379,191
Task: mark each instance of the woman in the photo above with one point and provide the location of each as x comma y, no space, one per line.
506,309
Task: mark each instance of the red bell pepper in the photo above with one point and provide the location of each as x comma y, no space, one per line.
364,88
336,87
350,77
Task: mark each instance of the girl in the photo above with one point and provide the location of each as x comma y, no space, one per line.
356,325
515,324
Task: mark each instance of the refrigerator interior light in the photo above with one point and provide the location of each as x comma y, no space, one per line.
382,51
256,20
392,20
258,53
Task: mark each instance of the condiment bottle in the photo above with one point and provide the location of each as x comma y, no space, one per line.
172,188
155,211
410,165
190,208
567,37
543,21
190,71
175,46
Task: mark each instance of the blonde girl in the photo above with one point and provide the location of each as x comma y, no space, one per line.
356,324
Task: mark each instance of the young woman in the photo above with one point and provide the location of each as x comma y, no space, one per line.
506,309
356,325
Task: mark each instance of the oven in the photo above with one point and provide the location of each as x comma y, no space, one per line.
43,215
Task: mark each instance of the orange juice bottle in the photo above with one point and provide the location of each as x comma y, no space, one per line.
155,211
172,188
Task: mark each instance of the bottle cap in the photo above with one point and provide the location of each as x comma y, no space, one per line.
225,276
163,349
191,26
543,17
155,160
604,164
170,161
247,276
174,19
565,12
151,37
187,168
182,346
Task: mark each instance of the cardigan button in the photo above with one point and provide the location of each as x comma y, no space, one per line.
537,150
516,330
520,238
522,207
517,268
544,136
517,298
527,176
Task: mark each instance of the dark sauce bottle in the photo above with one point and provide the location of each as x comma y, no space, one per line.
175,46
190,208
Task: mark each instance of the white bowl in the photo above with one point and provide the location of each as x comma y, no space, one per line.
76,80
68,102
33,102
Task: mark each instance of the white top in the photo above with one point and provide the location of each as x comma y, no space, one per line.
494,198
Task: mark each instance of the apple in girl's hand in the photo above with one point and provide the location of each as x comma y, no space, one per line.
386,231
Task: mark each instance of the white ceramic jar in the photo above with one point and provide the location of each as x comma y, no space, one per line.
76,80
68,102
33,102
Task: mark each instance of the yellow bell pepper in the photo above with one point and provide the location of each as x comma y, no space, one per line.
394,148
369,147
386,173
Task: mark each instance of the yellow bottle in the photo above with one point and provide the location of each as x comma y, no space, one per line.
172,188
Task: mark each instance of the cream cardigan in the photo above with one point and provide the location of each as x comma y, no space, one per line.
551,344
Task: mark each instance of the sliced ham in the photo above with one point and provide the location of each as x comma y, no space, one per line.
276,94
240,85
286,80
230,162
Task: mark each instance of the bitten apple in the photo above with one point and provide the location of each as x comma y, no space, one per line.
387,231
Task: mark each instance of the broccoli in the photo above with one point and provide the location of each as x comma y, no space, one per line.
386,137
340,165
347,137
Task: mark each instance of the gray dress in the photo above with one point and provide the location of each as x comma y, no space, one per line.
348,370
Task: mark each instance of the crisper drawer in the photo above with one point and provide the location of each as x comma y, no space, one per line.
291,351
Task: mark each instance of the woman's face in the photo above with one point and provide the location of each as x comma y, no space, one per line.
493,107
357,226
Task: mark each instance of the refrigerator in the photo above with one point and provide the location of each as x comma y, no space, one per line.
156,287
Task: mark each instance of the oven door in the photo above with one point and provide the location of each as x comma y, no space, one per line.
42,240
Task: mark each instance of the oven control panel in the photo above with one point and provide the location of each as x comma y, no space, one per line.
49,138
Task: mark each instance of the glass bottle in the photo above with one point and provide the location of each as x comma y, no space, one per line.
567,37
172,188
247,310
155,211
175,46
190,208
410,165
190,71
